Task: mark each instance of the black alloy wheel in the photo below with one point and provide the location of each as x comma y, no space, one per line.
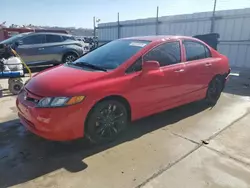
106,121
214,91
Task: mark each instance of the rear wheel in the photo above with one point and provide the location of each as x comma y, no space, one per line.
106,121
68,58
214,91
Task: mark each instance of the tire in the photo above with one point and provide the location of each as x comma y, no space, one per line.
214,90
70,57
15,86
106,121
10,80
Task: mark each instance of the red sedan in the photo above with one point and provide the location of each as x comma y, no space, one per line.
124,80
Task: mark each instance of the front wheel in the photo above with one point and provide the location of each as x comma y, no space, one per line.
15,86
214,90
106,121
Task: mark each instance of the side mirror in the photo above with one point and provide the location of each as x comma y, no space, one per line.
18,43
150,65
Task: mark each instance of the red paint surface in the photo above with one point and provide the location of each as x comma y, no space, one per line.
147,92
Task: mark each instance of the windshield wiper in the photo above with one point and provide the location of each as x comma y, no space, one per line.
84,64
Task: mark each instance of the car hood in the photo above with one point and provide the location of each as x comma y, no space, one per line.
62,81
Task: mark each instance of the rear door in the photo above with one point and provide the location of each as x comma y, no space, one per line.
199,65
30,48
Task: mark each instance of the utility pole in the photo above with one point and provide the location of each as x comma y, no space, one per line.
94,26
213,17
118,25
157,21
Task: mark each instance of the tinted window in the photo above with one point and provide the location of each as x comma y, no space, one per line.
53,38
166,54
34,39
69,38
196,50
137,66
113,54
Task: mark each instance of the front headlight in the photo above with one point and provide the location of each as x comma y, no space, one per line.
59,101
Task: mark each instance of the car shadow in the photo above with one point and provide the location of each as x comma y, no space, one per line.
24,156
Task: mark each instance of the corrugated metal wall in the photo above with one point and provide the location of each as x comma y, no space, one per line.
232,25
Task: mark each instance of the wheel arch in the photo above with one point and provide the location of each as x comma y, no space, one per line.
220,76
119,98
68,53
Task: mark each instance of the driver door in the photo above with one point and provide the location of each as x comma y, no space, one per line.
30,47
144,89
174,73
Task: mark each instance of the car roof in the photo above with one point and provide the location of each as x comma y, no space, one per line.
159,38
47,33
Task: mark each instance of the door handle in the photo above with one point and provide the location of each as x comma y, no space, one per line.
40,48
180,70
208,64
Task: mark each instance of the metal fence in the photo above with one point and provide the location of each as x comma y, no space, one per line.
232,25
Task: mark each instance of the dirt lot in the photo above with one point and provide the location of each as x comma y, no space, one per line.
188,147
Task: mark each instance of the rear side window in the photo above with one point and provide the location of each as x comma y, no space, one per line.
166,54
196,50
33,39
53,38
69,38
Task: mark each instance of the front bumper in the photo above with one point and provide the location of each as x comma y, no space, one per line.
59,124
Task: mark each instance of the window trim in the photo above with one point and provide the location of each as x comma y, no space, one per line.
180,45
198,42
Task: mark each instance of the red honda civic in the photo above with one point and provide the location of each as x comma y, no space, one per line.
127,79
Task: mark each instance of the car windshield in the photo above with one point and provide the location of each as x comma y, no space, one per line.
113,54
13,39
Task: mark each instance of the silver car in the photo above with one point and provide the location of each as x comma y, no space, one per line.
45,48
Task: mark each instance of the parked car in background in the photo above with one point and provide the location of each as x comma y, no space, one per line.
45,48
121,81
6,33
85,45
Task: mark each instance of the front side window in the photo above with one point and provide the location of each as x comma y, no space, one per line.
53,38
33,39
196,50
112,54
166,54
